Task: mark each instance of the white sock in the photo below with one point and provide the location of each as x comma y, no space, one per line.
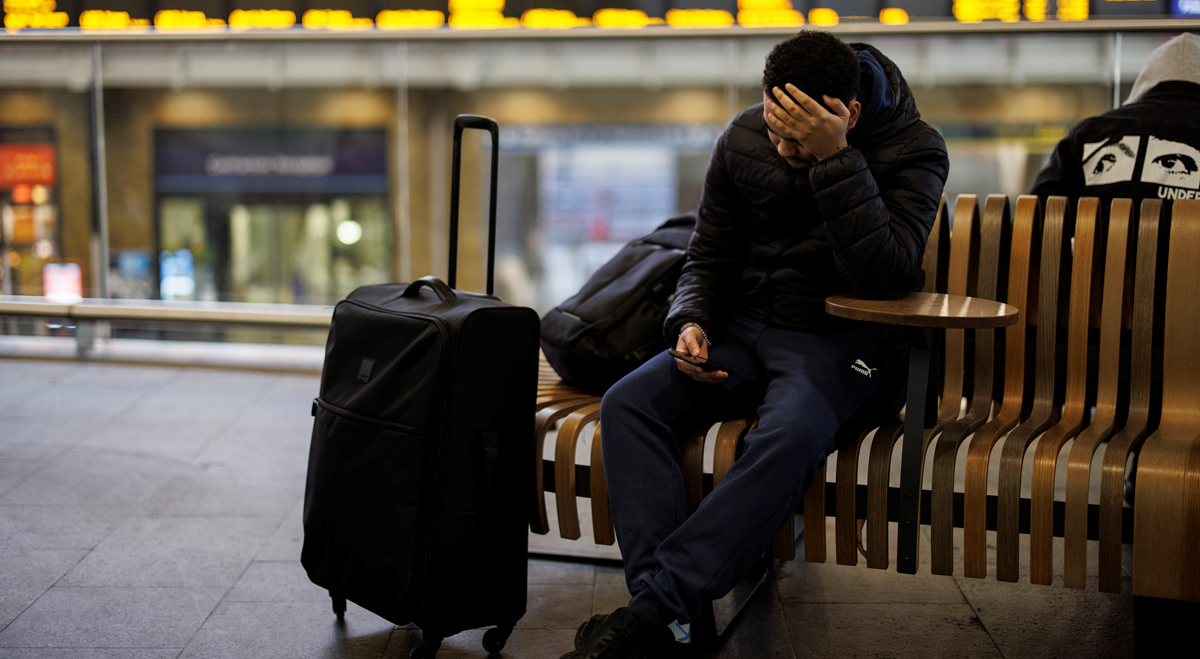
682,632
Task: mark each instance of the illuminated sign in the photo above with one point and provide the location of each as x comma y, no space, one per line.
490,14
550,19
101,20
62,283
261,19
823,17
692,18
28,164
479,15
768,13
409,19
169,20
263,160
1185,7
1072,10
334,19
19,14
624,18
974,11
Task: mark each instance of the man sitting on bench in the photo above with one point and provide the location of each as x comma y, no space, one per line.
830,186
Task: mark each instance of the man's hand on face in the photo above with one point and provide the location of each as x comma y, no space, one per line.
691,341
821,132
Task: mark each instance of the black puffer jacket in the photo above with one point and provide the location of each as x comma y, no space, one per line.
773,242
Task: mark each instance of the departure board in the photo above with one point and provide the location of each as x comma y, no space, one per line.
352,15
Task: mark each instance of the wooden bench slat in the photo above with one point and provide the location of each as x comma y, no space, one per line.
1079,462
1022,293
1158,530
1044,410
846,518
564,468
814,519
1045,458
1191,529
539,521
602,524
990,230
1112,478
879,466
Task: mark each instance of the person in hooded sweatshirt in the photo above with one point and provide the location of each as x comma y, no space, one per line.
829,186
1149,148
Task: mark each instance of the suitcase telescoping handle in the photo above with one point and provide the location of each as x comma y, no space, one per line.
482,123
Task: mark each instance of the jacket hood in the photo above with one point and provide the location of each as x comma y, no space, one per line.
902,112
1177,59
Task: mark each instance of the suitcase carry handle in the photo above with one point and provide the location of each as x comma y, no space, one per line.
443,291
482,123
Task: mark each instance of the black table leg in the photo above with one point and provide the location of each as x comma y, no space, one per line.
915,421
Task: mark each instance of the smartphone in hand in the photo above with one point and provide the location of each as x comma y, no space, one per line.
707,365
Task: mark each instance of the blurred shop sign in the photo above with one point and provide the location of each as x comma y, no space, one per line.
678,137
178,274
29,164
1185,7
62,283
271,160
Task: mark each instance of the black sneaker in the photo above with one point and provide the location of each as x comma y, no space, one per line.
623,634
588,629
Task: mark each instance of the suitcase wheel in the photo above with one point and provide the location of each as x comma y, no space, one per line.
494,639
339,606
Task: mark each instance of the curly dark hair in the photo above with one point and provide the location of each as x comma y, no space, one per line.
816,62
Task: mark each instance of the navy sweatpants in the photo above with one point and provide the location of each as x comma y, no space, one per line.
802,387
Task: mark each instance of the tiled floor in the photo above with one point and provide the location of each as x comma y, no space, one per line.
154,512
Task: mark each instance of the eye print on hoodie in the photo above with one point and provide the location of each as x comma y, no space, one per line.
1110,161
1171,163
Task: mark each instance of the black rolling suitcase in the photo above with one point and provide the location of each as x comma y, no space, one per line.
421,462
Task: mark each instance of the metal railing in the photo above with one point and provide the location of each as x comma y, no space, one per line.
89,311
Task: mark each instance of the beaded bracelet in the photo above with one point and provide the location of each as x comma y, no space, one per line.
697,326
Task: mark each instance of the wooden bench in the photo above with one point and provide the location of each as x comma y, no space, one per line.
1083,279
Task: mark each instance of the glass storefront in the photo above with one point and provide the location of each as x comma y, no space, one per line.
293,249
274,215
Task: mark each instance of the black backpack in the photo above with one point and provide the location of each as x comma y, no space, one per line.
614,324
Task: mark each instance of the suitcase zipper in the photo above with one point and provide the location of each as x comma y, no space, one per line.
371,421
